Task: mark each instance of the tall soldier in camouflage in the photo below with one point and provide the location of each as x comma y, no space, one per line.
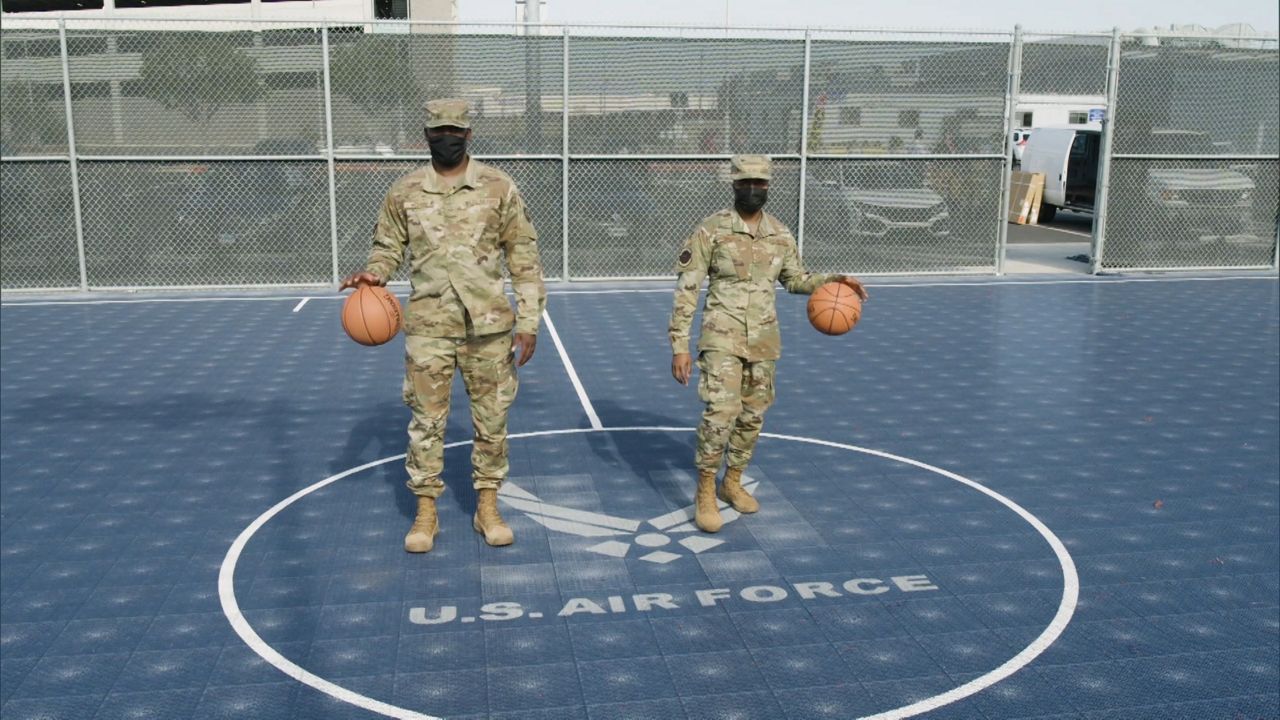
459,218
744,251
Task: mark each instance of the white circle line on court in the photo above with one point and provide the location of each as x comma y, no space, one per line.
1066,607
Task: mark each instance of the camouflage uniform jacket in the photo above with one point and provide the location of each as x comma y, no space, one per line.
456,236
739,316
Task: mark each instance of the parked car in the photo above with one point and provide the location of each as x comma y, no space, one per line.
891,199
1191,201
877,214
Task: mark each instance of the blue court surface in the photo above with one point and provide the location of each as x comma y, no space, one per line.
990,500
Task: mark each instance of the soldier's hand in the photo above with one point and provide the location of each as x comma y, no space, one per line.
523,346
361,277
681,367
854,283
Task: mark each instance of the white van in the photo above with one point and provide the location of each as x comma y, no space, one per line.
1068,157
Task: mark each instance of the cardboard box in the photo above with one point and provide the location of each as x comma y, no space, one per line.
1026,191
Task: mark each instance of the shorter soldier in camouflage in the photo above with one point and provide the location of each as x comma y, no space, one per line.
458,219
744,251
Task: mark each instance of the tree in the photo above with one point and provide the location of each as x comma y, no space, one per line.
198,73
392,76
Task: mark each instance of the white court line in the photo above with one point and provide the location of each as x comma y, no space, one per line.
1101,280
1066,607
1058,229
302,302
573,374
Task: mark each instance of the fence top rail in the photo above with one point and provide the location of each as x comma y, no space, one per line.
51,20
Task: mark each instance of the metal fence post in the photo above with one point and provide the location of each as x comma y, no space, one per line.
1104,154
71,153
1014,88
564,157
804,142
328,139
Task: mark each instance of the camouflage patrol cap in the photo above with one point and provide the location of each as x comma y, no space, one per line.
750,167
448,112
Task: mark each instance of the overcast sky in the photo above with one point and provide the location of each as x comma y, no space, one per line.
1071,15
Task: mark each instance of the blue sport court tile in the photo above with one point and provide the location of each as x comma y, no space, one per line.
733,706
12,672
186,598
239,701
829,702
353,656
359,620
968,652
123,601
433,652
889,694
311,704
737,567
238,664
571,712
696,633
663,709
801,666
446,693
1256,706
156,704
776,628
44,605
532,645
715,672
64,707
857,622
62,675
887,658
1024,693
627,680
613,640
100,635
533,687
173,632
167,670
19,640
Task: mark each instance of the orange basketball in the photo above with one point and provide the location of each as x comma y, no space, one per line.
834,309
371,315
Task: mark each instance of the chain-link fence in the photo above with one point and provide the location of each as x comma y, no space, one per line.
178,154
1195,158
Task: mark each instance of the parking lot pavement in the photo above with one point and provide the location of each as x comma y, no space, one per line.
1062,229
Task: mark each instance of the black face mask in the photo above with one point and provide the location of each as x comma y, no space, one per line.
447,150
748,199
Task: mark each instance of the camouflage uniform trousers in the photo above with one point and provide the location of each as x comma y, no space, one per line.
488,371
737,394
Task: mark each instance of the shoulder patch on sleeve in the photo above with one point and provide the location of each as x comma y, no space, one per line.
685,256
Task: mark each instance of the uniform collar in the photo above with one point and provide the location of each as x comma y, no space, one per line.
738,225
433,183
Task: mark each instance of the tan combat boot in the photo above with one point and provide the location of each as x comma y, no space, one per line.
422,536
706,513
731,492
488,521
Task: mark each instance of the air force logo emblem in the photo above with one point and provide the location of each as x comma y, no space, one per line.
644,536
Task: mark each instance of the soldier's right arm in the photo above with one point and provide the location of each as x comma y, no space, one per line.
691,264
390,238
